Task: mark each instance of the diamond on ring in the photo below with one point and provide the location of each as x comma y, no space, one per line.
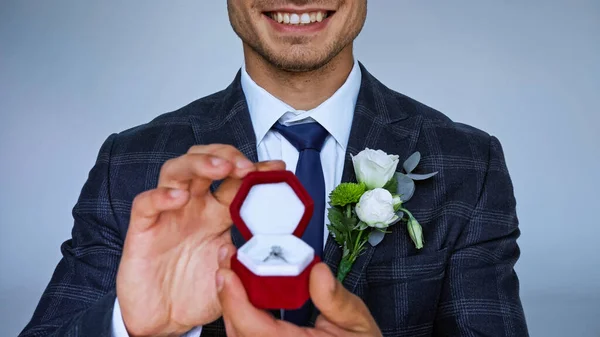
276,253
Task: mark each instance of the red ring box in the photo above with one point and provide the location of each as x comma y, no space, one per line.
272,208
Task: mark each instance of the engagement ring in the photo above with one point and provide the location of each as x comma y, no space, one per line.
277,253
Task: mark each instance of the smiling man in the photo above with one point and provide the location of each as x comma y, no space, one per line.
152,238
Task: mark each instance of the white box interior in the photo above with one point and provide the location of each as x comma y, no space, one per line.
297,253
272,212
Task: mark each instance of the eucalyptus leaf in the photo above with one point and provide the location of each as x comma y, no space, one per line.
414,176
375,237
394,222
412,162
406,186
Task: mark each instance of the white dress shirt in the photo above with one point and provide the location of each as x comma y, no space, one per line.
335,115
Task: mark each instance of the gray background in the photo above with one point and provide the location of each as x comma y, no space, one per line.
72,72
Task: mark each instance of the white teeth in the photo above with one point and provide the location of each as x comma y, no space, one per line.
298,18
294,19
305,18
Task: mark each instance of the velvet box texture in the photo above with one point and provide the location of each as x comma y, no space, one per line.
272,208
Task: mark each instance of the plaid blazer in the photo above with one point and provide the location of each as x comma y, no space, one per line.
462,283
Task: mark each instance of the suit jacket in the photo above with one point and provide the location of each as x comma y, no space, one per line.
462,283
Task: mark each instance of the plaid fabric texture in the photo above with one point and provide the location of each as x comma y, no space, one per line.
462,283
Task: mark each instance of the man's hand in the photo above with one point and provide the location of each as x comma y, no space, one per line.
342,313
165,282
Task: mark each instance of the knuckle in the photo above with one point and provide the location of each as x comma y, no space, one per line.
168,165
207,148
224,149
197,149
228,147
198,162
138,201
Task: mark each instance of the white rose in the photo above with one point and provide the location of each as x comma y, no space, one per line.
374,168
376,208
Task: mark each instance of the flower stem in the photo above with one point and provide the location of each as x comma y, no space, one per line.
356,250
348,211
407,212
344,269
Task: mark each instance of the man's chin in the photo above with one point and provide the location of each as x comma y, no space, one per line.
302,57
298,60
300,65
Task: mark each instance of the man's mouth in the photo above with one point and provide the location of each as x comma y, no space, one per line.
298,19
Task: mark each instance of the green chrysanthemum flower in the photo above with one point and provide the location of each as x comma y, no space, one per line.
347,193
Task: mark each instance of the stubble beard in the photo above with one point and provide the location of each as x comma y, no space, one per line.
299,58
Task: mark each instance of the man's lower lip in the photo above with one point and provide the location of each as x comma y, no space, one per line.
302,28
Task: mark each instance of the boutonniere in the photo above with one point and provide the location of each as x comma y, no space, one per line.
362,212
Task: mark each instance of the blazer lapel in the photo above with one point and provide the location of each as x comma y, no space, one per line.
383,120
228,122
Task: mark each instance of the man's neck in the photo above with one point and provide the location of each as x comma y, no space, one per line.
300,90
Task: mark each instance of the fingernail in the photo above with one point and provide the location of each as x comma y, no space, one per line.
175,193
216,161
220,281
222,254
244,164
274,162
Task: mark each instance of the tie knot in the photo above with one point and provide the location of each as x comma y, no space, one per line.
304,136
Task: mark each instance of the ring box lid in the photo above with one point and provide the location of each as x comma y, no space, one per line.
271,203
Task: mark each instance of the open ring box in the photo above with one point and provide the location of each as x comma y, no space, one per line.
272,208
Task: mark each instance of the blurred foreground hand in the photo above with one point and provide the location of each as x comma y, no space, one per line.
342,313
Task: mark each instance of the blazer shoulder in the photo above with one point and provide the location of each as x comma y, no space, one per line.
441,124
442,136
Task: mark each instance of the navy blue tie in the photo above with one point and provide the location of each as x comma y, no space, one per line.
308,139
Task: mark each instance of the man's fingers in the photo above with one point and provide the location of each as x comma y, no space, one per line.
336,304
202,168
241,164
238,312
229,187
271,165
225,252
322,324
148,205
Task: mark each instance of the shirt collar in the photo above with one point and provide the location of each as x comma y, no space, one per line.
335,114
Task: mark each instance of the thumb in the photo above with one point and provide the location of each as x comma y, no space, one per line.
240,316
336,304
